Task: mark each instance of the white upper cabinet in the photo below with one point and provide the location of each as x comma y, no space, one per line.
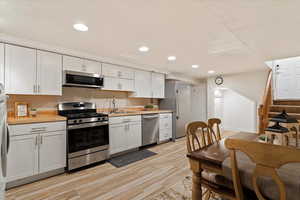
49,73
91,66
117,71
287,79
143,88
2,63
158,85
20,70
149,84
81,65
117,78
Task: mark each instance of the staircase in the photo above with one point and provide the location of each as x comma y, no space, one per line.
291,107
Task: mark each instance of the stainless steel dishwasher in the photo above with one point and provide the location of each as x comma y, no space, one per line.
150,129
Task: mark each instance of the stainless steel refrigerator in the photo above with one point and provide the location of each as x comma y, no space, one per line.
181,97
4,141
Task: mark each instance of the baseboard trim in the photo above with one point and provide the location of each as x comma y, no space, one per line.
34,178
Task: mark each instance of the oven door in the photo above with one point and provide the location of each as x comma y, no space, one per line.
87,139
79,79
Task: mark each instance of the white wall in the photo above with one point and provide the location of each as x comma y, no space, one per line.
238,106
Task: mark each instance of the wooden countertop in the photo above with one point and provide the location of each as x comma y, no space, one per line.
130,113
54,117
40,118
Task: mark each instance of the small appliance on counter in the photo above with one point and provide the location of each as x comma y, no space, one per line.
87,134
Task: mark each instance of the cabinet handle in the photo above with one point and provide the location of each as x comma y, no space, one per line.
34,88
41,139
39,89
119,74
36,140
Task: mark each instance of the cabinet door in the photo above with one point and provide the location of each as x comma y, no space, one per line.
134,135
110,70
73,64
142,84
22,158
158,85
49,73
2,63
126,73
111,83
52,151
20,70
92,67
117,138
126,84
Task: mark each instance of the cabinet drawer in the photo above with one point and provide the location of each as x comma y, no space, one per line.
125,119
26,129
165,116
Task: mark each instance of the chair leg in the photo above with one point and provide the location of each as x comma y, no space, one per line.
208,195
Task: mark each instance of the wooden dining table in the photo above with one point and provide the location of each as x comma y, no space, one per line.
210,159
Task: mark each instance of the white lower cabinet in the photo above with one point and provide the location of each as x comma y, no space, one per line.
165,127
37,151
125,133
22,158
52,152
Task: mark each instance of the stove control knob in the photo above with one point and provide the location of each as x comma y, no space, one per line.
75,121
99,119
80,121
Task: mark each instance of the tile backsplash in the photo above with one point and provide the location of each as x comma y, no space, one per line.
101,98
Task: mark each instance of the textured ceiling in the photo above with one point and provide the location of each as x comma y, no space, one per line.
229,36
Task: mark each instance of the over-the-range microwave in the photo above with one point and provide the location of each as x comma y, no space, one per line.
82,79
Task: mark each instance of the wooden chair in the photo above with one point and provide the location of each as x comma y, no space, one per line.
268,158
198,136
214,124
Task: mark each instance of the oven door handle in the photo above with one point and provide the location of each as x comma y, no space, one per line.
87,125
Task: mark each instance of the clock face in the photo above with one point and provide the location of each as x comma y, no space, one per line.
219,80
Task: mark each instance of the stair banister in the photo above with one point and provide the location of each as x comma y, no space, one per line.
263,110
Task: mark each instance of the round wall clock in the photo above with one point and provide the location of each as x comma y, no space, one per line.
219,80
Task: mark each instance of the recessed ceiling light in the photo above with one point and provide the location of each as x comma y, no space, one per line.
195,66
172,58
80,27
211,72
143,49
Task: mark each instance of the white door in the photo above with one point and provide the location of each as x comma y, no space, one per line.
283,78
117,138
126,84
52,151
158,85
73,64
22,158
296,73
2,63
142,84
92,67
20,70
49,73
134,135
111,83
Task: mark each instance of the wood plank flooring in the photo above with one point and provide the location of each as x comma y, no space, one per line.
141,180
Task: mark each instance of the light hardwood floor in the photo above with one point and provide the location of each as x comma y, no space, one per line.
141,180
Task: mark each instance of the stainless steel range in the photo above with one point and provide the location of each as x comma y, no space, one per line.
88,134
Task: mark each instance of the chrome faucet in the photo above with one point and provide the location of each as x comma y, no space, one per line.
114,109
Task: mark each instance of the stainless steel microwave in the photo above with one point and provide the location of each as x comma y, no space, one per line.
82,79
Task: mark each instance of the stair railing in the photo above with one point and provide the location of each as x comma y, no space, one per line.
264,108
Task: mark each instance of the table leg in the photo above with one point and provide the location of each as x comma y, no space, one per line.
197,189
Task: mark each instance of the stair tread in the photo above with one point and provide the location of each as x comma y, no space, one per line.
288,106
288,113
